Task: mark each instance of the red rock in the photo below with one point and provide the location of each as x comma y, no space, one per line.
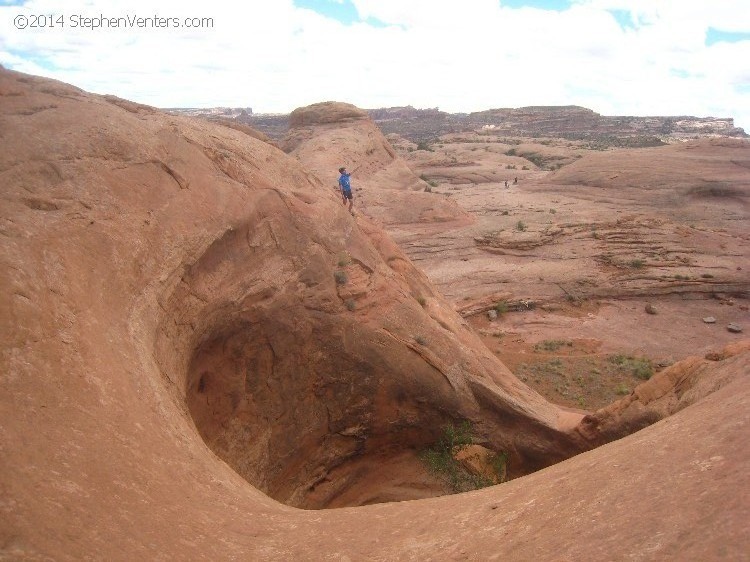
168,286
327,136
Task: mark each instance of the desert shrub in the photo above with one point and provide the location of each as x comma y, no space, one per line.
340,277
521,226
420,340
350,304
500,307
622,390
421,300
534,158
639,367
636,264
423,145
552,345
440,461
428,189
511,152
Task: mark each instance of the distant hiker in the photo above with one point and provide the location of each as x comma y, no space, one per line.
515,181
346,188
506,184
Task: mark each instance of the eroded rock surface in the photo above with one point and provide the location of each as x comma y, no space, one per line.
298,337
168,281
327,136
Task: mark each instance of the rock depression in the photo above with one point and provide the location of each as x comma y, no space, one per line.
300,339
184,304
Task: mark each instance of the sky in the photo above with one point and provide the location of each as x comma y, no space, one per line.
616,57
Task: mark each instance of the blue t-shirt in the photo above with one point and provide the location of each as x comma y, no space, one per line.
344,182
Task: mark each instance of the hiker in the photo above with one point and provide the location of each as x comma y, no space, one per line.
346,188
515,181
506,184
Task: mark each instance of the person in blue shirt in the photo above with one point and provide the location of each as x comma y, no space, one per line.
346,188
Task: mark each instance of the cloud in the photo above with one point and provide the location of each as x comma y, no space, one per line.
473,55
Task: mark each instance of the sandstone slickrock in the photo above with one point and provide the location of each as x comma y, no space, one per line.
165,279
329,135
669,391
193,262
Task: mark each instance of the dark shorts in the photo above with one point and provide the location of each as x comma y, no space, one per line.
347,194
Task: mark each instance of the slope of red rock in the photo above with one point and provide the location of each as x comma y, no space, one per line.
192,324
326,136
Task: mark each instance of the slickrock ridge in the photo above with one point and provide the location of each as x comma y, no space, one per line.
166,279
668,392
329,135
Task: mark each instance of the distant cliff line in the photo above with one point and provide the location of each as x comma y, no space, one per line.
570,122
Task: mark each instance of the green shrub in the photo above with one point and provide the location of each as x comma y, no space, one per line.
340,277
351,304
421,300
521,226
440,461
622,390
639,367
501,308
552,345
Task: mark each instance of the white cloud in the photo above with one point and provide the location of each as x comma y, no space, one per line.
464,56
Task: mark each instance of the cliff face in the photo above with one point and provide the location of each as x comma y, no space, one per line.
579,122
570,122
